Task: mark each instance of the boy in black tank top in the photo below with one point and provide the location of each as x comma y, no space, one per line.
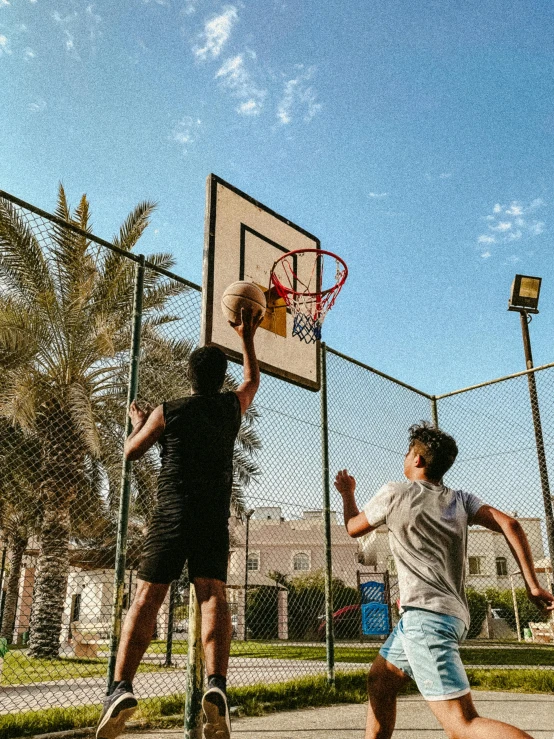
197,435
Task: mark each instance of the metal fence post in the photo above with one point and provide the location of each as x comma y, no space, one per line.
434,411
170,623
125,489
539,440
195,671
329,626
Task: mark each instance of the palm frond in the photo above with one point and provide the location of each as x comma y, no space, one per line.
165,260
82,414
21,332
134,225
245,468
155,298
248,439
23,266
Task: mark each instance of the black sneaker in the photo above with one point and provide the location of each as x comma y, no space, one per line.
118,708
217,724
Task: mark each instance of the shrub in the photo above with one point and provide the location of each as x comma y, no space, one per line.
477,603
527,610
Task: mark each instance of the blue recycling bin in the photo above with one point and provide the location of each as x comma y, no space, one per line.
372,592
375,619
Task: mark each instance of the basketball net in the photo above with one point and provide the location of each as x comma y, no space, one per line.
305,298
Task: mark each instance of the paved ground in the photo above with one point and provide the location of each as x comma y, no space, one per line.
533,713
87,691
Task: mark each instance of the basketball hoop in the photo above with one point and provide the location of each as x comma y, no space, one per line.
308,300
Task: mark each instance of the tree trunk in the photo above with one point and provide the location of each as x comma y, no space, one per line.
18,545
50,583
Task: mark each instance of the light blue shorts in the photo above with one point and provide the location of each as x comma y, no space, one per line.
425,645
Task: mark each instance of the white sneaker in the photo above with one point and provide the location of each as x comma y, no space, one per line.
217,723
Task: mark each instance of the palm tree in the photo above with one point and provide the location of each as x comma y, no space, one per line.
19,509
65,334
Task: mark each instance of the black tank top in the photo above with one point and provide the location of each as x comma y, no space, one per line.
198,441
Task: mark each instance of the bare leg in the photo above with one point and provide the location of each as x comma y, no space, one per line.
138,628
216,624
460,720
384,682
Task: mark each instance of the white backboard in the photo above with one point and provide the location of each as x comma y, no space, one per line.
243,238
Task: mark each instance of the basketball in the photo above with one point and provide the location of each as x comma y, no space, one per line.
242,294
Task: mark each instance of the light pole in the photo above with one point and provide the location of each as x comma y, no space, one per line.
247,515
524,299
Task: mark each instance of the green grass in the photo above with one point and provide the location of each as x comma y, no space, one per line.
532,655
256,700
19,669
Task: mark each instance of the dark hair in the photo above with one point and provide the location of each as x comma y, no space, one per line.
206,370
438,449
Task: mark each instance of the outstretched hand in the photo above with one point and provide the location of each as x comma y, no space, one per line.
249,322
542,599
345,483
139,415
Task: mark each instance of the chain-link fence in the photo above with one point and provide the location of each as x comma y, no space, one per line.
68,305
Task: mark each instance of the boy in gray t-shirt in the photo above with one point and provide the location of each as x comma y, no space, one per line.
427,525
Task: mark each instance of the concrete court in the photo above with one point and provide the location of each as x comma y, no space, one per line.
534,713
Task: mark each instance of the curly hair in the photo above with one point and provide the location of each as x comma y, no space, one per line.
438,449
206,370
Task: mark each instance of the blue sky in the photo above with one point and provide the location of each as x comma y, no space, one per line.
414,139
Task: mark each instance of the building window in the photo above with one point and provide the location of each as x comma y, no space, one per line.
301,562
501,566
475,565
76,607
253,562
391,565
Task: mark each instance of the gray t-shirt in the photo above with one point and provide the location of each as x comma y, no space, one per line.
428,539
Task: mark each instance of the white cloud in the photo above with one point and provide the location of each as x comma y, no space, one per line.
518,227
4,45
216,34
59,18
189,7
378,195
250,107
234,75
185,131
298,96
445,175
514,210
537,228
501,226
70,45
513,259
486,254
38,106
29,53
3,3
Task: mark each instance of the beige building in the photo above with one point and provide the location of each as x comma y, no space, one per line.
489,564
290,547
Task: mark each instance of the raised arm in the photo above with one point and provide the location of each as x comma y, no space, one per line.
246,329
148,426
356,523
513,532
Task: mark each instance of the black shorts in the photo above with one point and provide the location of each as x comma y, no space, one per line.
187,528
